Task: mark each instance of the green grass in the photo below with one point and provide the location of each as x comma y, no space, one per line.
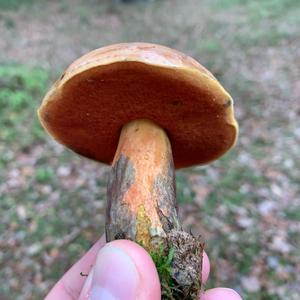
227,4
292,213
44,175
14,4
7,5
258,10
260,24
21,89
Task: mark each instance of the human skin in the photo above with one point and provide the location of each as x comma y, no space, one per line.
107,262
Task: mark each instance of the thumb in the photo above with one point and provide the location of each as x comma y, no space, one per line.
123,270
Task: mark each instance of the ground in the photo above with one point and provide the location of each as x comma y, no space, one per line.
246,205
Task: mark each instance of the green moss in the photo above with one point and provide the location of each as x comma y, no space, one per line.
163,264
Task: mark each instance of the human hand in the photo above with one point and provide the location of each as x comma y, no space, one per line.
121,270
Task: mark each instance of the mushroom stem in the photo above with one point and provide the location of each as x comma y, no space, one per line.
141,206
141,191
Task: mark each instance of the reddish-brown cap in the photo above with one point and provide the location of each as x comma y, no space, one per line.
108,87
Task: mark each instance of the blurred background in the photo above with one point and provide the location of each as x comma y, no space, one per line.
245,205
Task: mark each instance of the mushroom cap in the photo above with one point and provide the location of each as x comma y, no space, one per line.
103,90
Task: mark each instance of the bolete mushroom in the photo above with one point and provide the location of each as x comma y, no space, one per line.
144,108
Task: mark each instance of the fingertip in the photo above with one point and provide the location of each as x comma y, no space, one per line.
221,294
205,267
149,287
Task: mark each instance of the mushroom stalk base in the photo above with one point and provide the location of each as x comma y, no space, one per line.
141,206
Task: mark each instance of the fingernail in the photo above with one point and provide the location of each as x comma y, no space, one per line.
115,276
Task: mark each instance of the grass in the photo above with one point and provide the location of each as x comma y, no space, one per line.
259,25
292,213
21,88
44,174
14,4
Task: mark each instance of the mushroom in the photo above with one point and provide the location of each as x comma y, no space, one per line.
145,109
